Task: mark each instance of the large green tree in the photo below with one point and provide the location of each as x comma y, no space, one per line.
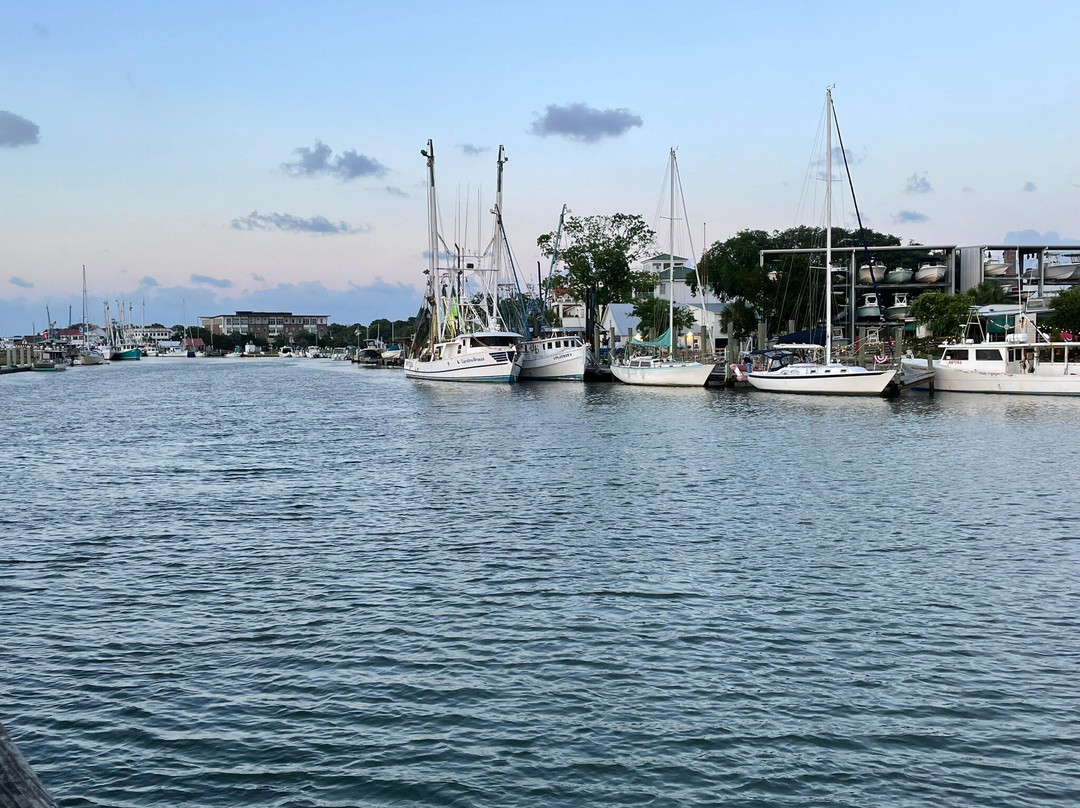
943,314
597,255
1066,310
782,288
653,313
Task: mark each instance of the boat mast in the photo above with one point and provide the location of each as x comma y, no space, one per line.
85,332
828,226
497,242
671,262
433,246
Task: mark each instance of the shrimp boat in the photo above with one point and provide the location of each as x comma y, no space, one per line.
825,377
554,354
1007,353
665,371
459,337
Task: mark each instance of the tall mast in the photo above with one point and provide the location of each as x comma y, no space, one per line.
671,262
85,331
433,245
828,226
497,242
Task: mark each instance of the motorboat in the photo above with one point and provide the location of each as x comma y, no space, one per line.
869,308
930,273
872,273
898,275
899,308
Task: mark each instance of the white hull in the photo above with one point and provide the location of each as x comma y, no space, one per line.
878,274
823,380
458,362
930,273
675,374
539,363
994,269
1060,272
955,380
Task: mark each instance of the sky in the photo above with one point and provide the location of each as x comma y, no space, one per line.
203,157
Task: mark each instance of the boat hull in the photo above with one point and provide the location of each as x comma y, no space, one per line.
931,273
953,380
567,364
898,276
829,380
681,374
117,355
487,366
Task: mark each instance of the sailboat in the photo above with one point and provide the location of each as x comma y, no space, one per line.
459,320
86,356
661,371
826,377
553,354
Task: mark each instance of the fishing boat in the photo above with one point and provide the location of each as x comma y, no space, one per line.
665,371
898,275
459,335
869,308
372,352
872,272
930,273
824,377
553,354
899,308
120,344
1004,352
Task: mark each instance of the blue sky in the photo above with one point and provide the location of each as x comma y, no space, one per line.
246,155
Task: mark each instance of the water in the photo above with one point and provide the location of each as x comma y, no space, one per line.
303,583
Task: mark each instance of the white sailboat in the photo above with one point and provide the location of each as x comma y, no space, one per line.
461,307
554,354
86,356
827,377
665,371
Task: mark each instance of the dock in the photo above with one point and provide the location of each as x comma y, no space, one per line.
19,786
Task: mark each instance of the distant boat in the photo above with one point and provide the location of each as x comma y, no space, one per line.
898,275
995,269
930,273
371,353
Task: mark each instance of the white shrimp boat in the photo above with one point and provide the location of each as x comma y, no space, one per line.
1023,362
553,356
460,312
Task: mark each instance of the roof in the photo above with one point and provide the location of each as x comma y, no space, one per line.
622,316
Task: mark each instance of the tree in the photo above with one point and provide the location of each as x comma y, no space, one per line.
943,314
742,318
988,293
653,313
598,253
1066,310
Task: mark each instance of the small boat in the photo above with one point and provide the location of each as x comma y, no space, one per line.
898,275
49,364
899,308
285,351
930,273
869,308
371,353
878,270
1057,270
995,269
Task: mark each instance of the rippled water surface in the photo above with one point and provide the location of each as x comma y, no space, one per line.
303,583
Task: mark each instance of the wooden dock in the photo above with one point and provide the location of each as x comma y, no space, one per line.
19,786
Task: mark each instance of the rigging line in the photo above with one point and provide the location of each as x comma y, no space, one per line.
862,233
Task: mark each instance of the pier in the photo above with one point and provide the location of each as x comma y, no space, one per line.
19,786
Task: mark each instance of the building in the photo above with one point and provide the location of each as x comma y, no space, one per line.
267,325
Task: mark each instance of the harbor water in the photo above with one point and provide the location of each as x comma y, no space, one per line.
270,582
